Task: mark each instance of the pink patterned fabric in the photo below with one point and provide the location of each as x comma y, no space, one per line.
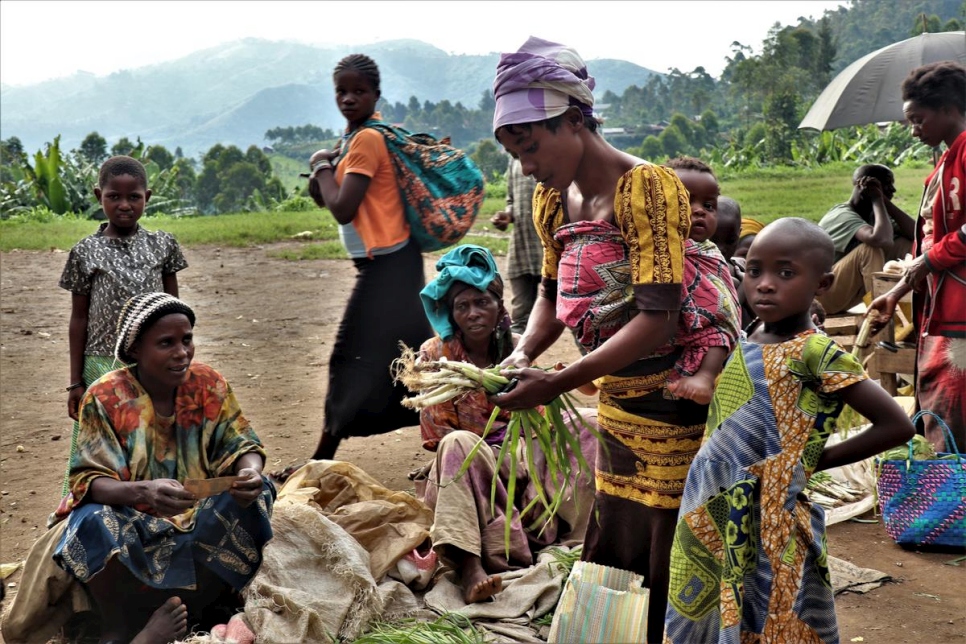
596,299
710,315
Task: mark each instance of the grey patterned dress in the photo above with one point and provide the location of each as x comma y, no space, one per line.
111,270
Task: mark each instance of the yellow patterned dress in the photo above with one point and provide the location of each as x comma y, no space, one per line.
601,274
749,559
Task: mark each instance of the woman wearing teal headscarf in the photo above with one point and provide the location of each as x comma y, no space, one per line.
464,305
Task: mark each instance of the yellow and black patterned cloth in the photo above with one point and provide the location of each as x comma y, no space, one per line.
603,273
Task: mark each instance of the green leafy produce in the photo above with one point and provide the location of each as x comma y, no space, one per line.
436,382
922,450
450,628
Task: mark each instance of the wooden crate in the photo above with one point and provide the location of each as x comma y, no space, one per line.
842,328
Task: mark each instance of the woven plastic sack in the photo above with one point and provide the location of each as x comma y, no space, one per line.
600,604
314,583
924,502
440,186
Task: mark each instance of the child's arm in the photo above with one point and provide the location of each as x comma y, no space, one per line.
890,426
700,386
77,340
170,283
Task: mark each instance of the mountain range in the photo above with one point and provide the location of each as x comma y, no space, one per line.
235,92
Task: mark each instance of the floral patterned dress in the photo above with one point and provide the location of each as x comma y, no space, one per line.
749,559
122,437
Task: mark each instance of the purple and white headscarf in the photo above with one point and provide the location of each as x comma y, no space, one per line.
539,81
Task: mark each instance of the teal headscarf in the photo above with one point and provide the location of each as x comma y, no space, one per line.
467,264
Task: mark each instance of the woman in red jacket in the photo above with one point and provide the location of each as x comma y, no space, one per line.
935,105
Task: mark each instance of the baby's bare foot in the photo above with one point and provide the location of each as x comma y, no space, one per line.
167,624
698,388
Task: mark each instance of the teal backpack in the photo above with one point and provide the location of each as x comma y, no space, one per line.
441,187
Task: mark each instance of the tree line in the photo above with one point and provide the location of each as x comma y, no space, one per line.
748,117
59,182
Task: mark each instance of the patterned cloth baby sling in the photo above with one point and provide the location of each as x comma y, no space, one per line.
440,186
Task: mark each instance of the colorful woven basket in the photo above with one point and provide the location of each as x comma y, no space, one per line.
924,502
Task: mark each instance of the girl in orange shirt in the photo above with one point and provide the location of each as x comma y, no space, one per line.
357,184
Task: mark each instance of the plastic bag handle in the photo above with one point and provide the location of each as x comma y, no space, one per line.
947,434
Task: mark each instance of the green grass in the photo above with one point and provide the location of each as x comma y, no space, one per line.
287,170
62,234
449,628
770,194
242,229
332,249
763,194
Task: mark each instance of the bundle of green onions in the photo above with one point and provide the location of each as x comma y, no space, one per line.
450,628
830,493
436,382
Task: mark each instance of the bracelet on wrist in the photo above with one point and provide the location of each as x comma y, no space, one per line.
75,385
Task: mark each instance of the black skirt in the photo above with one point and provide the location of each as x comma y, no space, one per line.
383,310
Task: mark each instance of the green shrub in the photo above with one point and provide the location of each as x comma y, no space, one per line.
296,203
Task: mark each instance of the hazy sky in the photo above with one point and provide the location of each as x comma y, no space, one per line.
41,40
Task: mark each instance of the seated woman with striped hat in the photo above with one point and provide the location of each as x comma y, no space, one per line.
151,552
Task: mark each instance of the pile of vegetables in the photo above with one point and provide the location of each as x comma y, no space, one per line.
829,492
436,382
922,450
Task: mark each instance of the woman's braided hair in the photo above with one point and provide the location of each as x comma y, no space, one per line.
139,313
362,64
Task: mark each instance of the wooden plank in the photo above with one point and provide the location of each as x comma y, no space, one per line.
902,362
883,282
840,325
844,341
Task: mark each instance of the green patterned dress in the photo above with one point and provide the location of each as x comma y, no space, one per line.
749,560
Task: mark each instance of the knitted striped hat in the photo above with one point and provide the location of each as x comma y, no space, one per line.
139,313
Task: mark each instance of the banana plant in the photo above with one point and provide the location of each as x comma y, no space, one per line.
46,179
54,181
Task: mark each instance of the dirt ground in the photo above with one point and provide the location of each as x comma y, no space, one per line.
268,325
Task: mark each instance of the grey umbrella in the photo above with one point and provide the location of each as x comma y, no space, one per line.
869,90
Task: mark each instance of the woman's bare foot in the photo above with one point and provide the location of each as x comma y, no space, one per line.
698,388
167,624
476,583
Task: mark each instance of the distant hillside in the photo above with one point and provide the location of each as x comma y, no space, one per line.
233,93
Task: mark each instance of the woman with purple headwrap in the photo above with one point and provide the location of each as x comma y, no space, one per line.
613,228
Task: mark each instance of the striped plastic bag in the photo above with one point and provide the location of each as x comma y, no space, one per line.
600,604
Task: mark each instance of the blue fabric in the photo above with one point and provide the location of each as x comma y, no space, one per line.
473,265
227,539
352,242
